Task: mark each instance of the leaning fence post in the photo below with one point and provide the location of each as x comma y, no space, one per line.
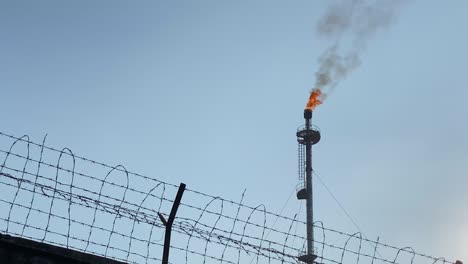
169,222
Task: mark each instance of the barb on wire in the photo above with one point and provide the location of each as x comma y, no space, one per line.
358,236
34,186
375,249
22,174
233,224
405,249
316,223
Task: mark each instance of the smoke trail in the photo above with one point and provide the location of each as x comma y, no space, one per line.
352,23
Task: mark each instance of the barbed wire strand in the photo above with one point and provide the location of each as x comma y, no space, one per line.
129,208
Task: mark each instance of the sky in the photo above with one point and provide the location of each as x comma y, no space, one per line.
210,93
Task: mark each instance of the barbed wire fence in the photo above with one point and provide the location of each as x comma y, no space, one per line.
54,196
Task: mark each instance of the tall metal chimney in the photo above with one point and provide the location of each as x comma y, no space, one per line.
306,137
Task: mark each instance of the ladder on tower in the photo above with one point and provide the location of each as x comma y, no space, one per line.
301,188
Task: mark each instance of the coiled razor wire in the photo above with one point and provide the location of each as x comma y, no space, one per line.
55,196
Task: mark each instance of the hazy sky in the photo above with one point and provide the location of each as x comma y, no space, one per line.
210,93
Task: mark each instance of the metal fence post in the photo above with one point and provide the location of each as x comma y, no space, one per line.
169,222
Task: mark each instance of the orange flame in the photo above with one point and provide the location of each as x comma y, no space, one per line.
314,99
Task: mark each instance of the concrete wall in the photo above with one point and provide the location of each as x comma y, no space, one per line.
15,250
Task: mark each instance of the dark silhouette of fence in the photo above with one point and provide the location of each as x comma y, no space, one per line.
52,195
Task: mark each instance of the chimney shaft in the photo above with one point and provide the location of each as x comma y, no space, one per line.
308,117
308,136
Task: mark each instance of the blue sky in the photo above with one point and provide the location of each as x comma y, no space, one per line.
210,93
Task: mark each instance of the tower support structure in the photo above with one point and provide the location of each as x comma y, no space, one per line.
307,136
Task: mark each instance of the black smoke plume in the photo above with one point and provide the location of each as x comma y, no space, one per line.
349,25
